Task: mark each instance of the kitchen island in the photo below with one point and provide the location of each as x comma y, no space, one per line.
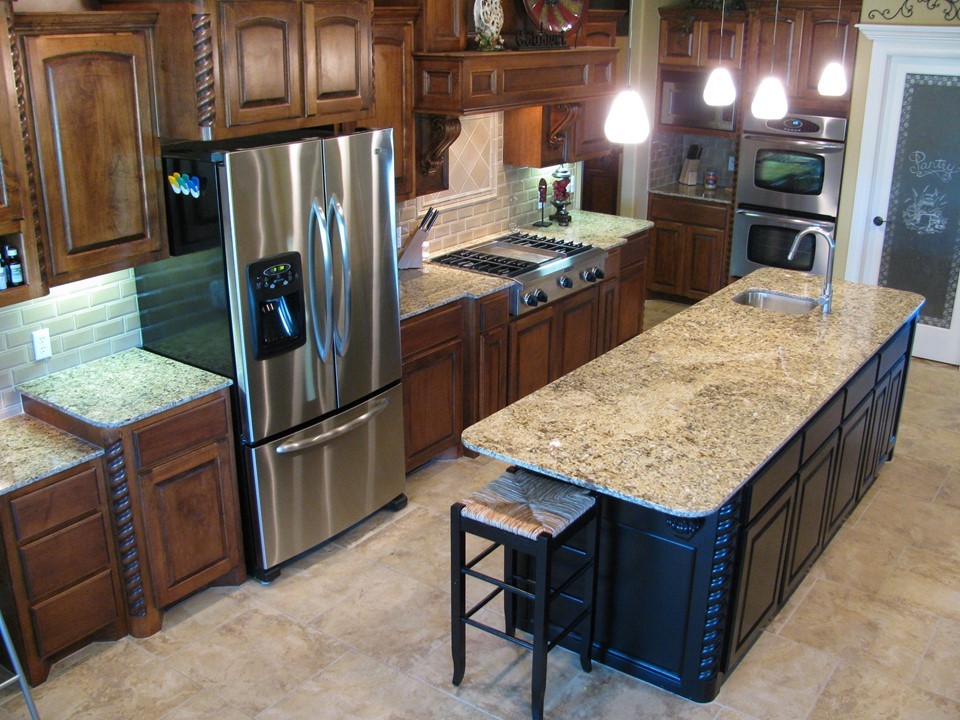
727,444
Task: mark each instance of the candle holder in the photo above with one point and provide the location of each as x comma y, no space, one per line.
562,195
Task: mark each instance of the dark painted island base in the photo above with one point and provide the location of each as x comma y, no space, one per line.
682,599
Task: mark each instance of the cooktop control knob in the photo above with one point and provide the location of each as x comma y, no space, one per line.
589,275
530,299
598,273
540,295
564,282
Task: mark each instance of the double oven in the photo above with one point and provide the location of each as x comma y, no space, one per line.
789,179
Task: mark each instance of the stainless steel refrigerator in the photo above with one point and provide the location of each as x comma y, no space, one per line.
301,284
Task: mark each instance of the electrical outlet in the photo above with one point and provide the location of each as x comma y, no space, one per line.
41,344
731,163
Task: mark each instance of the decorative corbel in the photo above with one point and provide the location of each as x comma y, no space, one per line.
562,118
443,132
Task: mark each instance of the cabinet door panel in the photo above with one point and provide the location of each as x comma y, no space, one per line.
851,461
337,53
432,402
609,315
74,614
825,41
532,342
44,510
724,49
393,68
666,257
260,51
59,560
633,292
98,154
782,52
704,253
680,41
493,371
189,514
577,326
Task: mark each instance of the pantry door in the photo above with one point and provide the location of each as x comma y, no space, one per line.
905,230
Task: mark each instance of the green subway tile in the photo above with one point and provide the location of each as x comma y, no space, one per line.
14,358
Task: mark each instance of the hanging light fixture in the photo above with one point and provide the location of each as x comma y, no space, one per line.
627,122
770,102
720,90
833,80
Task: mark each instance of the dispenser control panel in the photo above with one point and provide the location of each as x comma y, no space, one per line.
277,305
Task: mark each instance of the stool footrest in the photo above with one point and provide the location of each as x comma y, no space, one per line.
479,606
499,583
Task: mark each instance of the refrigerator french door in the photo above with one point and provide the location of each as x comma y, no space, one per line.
309,280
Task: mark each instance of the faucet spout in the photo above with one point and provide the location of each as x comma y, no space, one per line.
826,292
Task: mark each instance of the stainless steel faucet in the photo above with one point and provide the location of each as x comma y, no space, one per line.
826,292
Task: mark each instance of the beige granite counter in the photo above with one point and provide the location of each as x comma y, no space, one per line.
680,417
123,388
33,450
436,285
696,192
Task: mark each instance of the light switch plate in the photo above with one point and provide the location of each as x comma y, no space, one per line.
41,344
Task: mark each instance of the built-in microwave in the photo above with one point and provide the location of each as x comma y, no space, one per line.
682,105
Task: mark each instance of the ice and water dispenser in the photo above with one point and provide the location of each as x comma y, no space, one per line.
276,303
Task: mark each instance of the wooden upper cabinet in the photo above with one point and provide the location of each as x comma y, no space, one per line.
695,39
11,140
337,46
260,61
722,46
825,40
775,41
90,94
679,39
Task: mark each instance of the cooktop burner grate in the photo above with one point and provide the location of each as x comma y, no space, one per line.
485,263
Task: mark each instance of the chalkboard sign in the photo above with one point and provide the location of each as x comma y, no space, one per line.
921,242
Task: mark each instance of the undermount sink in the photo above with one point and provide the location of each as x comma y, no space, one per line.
778,302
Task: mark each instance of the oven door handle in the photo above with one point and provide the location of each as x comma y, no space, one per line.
794,143
781,219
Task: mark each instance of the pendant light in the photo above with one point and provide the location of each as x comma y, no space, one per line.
833,81
720,90
627,122
770,102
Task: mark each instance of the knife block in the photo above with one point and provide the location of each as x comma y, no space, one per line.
411,256
689,172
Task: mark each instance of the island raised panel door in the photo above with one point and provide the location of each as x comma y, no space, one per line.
98,154
577,328
190,518
703,257
260,56
532,347
393,90
337,50
851,465
666,257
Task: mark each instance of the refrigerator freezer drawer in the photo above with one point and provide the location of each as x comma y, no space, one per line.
311,485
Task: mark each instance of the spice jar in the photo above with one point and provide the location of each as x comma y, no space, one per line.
710,179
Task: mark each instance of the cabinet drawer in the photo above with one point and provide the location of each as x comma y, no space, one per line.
894,350
430,329
183,431
635,251
823,423
73,615
774,475
62,558
55,505
494,311
688,213
861,385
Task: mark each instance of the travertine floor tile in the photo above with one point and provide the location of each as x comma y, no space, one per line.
857,692
930,443
781,679
859,557
916,477
361,688
441,483
927,580
928,525
933,378
862,628
950,490
257,658
206,705
120,682
939,670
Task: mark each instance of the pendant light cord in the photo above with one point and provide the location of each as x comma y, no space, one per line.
773,48
723,10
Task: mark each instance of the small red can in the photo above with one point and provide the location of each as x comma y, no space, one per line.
710,179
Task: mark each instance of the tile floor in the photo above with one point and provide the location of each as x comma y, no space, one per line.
358,629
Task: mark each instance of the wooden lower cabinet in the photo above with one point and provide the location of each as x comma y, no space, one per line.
633,286
533,352
577,330
60,566
171,485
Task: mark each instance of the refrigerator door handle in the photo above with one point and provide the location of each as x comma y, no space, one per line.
322,316
341,337
378,407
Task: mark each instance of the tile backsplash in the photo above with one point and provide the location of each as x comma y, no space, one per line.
668,149
87,320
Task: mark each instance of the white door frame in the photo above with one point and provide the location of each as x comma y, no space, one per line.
889,41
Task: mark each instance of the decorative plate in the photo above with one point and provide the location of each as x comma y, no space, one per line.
555,16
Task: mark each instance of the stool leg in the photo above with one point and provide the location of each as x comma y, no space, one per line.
509,598
586,645
541,623
458,594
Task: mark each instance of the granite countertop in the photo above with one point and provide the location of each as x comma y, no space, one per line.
696,192
33,450
436,285
123,388
680,417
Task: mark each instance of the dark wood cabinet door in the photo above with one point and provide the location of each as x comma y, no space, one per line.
190,517
260,61
824,41
393,82
492,368
703,257
680,40
763,555
813,491
98,154
608,315
722,49
338,75
876,450
633,292
665,266
589,139
851,465
577,328
780,54
532,346
891,412
11,139
432,402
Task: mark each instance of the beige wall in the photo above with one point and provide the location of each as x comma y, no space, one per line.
871,13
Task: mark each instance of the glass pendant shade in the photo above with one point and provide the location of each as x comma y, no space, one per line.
720,90
627,121
770,102
833,81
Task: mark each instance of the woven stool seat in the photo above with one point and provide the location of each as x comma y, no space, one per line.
527,504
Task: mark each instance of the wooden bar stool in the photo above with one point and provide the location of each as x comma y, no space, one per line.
534,515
